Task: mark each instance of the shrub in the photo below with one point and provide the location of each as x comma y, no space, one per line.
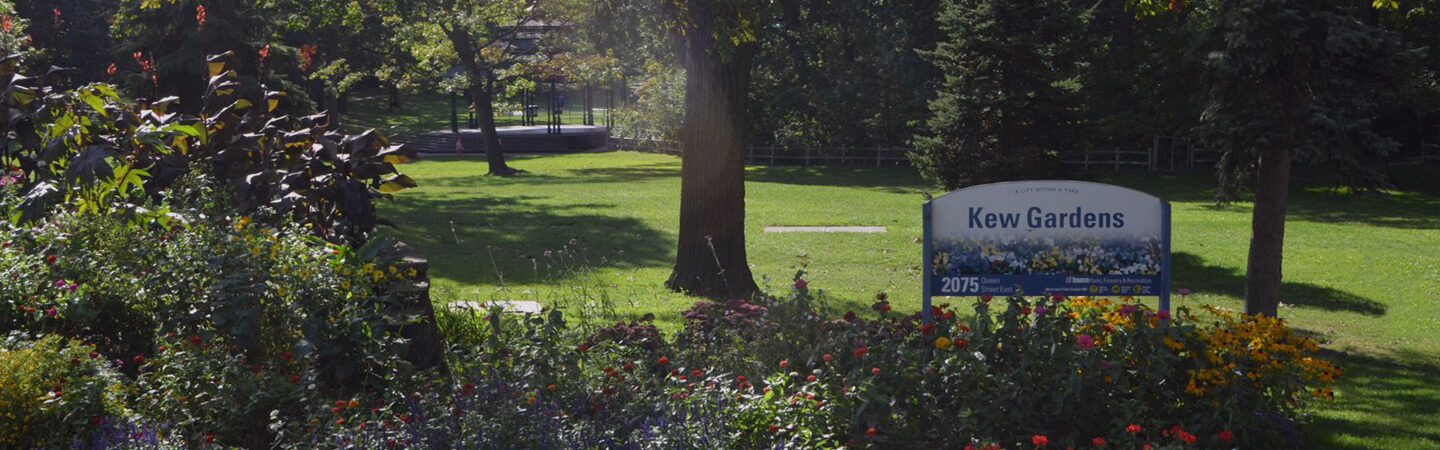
52,389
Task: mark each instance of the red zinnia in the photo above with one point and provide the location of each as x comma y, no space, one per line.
810,378
1099,441
871,431
1133,428
774,428
1040,440
50,259
862,351
664,360
827,357
784,363
1226,435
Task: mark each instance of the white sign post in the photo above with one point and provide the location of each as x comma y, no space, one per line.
1047,237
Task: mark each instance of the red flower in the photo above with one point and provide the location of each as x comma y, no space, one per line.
1040,440
1099,441
628,367
50,259
1058,298
696,373
862,351
162,349
94,355
200,15
800,284
986,298
1133,428
810,378
875,370
584,347
335,410
95,420
774,428
287,356
663,360
927,328
1226,435
195,340
740,379
340,421
784,363
110,71
209,438
139,359
295,378
827,357
1163,315
871,431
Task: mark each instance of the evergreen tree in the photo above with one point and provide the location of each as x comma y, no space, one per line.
1007,106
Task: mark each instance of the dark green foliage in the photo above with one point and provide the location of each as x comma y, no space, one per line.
1007,107
843,73
1304,78
79,37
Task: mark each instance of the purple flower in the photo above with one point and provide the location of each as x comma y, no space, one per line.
1085,341
1040,310
60,283
1163,315
51,312
1126,310
800,284
1184,292
74,287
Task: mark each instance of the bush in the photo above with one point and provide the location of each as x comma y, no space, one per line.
1019,371
52,389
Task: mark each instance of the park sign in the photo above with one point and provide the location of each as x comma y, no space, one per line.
1047,237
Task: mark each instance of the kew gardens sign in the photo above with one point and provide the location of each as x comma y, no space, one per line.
1047,237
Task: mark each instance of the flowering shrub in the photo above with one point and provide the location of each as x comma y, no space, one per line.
52,389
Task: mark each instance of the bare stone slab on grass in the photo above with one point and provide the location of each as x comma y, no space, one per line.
513,307
824,229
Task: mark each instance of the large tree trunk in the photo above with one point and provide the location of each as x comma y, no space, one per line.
1267,234
482,100
711,260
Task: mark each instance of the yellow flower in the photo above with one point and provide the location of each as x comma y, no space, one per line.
942,342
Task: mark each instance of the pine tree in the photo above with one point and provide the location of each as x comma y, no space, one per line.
1007,106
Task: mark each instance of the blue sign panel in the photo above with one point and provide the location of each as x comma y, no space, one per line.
1047,237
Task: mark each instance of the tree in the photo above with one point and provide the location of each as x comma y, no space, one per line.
718,52
844,74
166,43
479,35
1008,106
1293,81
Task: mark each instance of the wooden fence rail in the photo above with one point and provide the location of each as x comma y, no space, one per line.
1166,154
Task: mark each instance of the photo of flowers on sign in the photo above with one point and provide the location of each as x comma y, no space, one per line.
1055,237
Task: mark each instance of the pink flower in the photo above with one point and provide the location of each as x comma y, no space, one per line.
1184,292
1041,310
51,312
1085,341
800,284
1163,315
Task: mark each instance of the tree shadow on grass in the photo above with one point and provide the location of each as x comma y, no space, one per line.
495,240
1412,205
1392,397
1191,272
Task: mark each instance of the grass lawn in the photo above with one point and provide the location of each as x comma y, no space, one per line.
1362,274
